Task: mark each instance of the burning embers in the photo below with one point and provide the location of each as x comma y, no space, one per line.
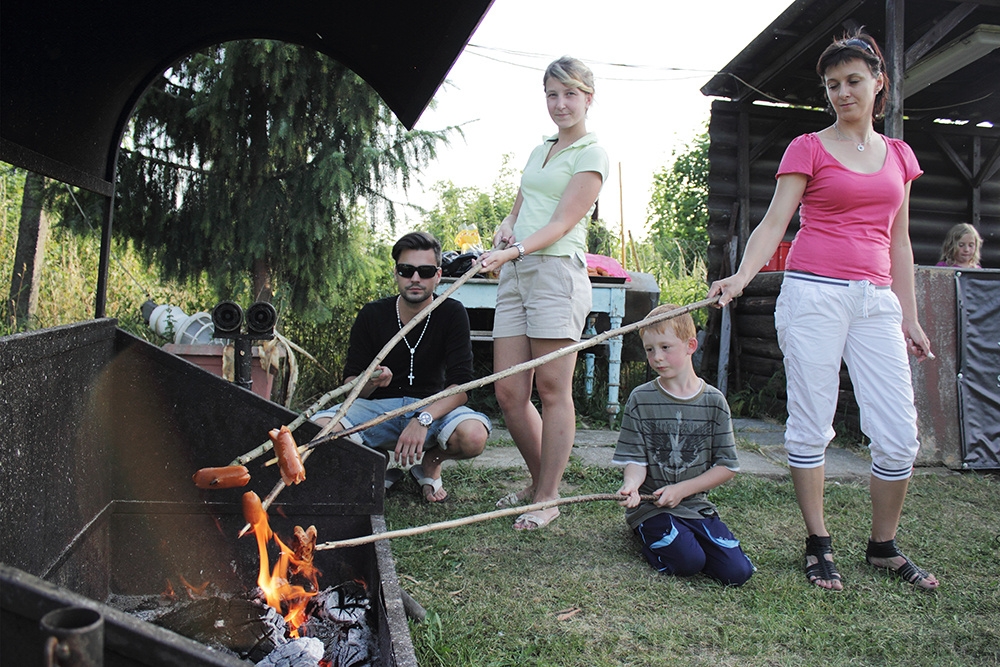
286,621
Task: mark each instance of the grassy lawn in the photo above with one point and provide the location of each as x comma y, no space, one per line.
580,593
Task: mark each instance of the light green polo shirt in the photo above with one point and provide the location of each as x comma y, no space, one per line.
543,186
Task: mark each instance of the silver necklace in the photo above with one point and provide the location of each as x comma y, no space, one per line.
861,145
412,349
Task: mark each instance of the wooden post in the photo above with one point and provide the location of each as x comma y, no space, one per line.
894,58
621,211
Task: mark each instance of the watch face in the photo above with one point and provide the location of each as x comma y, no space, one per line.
425,419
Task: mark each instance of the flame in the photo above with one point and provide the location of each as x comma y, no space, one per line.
285,597
194,592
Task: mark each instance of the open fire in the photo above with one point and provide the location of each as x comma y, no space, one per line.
279,591
287,620
127,426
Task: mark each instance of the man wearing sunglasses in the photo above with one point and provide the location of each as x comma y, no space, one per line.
434,355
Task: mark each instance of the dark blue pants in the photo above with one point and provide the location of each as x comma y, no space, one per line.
685,547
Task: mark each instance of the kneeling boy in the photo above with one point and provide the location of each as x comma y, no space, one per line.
677,443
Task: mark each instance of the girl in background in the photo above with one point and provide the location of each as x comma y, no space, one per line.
961,248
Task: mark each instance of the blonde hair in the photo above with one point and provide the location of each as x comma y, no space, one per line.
949,249
570,72
682,325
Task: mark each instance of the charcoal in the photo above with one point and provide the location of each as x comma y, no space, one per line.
301,652
247,628
340,618
347,603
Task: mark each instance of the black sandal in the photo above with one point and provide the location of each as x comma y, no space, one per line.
823,569
908,572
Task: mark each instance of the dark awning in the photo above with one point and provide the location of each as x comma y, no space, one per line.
71,72
951,59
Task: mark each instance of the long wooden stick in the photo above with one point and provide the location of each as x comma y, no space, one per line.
527,365
475,518
323,400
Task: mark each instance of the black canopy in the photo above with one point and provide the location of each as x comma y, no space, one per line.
949,55
71,72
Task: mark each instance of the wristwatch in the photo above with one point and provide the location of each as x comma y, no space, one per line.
425,419
520,251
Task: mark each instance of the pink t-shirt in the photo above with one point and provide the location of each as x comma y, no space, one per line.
845,218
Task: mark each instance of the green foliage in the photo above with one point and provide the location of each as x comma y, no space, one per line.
601,240
11,189
250,161
326,334
678,206
463,207
680,271
69,272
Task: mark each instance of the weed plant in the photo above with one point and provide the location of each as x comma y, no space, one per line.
68,285
579,593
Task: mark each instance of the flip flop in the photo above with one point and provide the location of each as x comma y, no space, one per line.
513,499
417,473
529,521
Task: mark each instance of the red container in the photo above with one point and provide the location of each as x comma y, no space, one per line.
777,261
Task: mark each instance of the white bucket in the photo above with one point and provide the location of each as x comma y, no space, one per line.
187,329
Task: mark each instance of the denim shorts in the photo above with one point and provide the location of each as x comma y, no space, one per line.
385,435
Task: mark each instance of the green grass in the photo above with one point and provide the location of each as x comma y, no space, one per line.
493,595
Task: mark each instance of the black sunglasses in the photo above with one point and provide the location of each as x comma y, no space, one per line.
424,270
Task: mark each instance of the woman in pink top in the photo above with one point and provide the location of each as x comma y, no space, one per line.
847,294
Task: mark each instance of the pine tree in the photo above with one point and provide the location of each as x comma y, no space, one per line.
250,161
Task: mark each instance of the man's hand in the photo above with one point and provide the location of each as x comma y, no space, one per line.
410,446
382,380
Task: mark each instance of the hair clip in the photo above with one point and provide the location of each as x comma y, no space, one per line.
855,41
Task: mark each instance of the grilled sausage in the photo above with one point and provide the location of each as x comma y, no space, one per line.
228,477
289,461
253,510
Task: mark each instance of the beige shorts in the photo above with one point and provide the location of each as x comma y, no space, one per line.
542,296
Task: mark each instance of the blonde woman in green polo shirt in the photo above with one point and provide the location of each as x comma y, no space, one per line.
544,293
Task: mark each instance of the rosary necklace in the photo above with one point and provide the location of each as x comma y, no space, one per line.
413,348
861,145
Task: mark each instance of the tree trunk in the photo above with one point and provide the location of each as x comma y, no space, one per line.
29,254
261,281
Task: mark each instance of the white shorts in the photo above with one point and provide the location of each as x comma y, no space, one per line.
821,321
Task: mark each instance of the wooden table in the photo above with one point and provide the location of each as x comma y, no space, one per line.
608,297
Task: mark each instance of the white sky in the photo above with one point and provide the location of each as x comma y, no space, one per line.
642,111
